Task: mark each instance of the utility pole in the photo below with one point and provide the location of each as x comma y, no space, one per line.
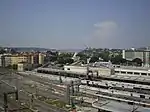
60,80
68,93
134,108
31,101
72,94
5,102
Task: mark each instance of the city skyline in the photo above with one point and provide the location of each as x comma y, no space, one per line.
64,24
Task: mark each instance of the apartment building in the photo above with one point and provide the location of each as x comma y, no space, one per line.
37,58
33,58
5,60
15,59
41,58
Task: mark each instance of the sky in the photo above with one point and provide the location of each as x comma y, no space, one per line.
75,24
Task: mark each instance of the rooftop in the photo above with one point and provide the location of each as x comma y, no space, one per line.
116,106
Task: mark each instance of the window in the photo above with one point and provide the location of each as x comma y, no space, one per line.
143,74
116,71
68,68
129,72
142,96
136,73
123,72
131,103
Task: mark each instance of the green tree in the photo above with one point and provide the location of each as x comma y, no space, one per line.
13,51
14,67
2,51
94,59
105,56
137,61
83,57
118,60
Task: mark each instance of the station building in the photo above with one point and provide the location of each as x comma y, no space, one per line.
143,55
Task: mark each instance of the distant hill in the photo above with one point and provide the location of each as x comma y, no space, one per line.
29,49
70,50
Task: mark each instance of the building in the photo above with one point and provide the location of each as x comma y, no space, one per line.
37,58
132,71
15,59
22,66
33,58
41,59
83,69
1,58
5,60
143,55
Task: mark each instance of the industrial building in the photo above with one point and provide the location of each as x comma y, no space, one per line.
83,69
143,55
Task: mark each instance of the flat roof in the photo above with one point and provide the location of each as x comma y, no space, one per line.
115,106
129,77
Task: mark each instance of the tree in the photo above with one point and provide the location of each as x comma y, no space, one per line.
105,56
137,61
2,51
13,51
83,57
118,60
14,67
94,59
69,60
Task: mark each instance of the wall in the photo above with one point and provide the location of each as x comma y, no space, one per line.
7,61
18,59
41,58
80,69
75,69
123,71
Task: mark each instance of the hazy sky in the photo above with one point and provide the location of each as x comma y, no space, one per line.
75,23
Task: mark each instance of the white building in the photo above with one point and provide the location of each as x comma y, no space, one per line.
41,58
132,71
143,55
83,69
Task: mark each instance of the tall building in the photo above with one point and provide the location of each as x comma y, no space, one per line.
41,58
35,59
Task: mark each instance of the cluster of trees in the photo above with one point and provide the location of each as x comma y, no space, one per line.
103,55
83,57
13,66
65,58
62,58
2,51
137,62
